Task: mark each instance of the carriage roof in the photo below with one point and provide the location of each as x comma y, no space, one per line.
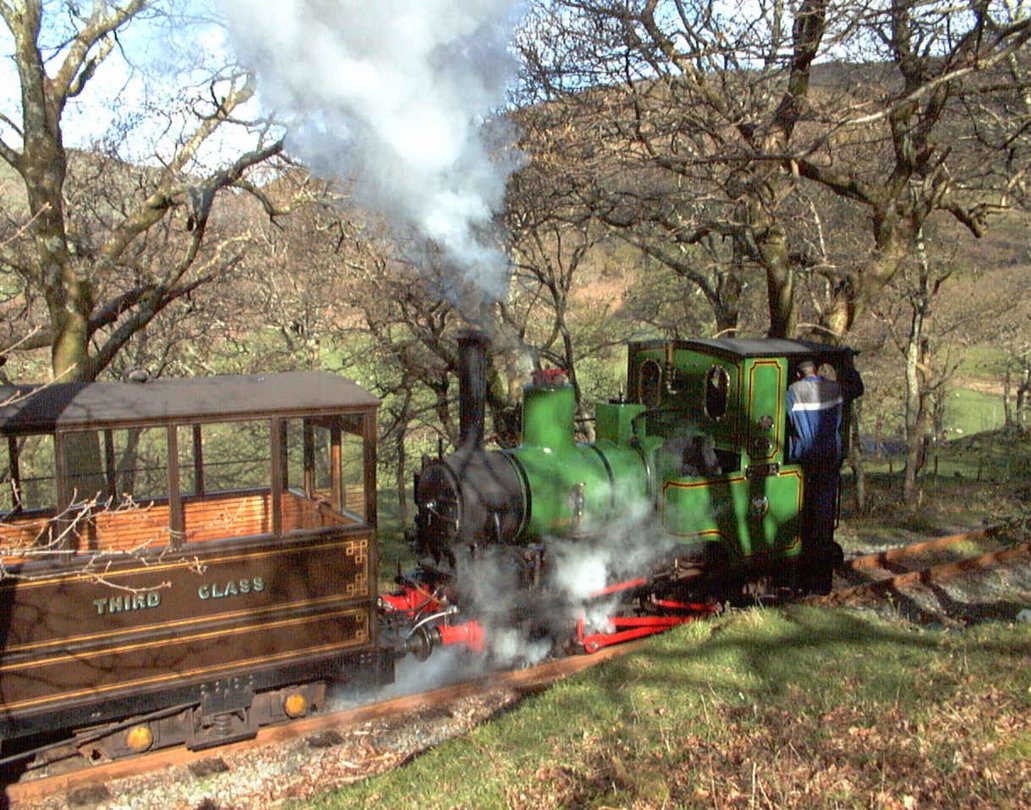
95,405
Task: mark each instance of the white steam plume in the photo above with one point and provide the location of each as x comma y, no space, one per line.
394,94
625,548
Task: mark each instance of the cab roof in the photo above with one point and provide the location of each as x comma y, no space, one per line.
740,348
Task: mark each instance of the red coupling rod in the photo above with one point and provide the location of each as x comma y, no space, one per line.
619,586
627,628
698,607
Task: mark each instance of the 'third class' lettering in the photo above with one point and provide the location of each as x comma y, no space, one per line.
219,590
129,601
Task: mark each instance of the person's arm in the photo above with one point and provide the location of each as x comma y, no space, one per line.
850,381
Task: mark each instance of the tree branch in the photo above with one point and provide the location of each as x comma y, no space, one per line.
78,66
150,306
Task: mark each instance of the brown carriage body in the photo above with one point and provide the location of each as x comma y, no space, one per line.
248,565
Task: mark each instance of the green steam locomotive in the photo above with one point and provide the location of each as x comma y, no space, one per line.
688,495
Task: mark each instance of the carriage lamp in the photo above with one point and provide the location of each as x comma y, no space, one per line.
295,705
139,739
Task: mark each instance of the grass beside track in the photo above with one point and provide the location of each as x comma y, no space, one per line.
793,707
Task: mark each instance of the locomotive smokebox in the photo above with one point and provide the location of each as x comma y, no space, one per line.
472,388
471,497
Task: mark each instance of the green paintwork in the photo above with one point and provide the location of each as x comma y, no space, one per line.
641,453
749,435
721,510
571,490
614,422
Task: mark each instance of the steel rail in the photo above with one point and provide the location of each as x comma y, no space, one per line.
524,680
878,559
926,575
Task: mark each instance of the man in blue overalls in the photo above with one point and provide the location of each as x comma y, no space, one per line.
816,407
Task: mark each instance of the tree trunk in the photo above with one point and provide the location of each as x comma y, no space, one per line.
1009,419
1023,411
401,475
855,456
780,284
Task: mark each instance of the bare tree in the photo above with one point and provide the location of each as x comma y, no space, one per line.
718,121
1016,373
555,317
109,254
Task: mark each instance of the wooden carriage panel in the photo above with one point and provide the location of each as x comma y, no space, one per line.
72,636
136,528
24,532
146,526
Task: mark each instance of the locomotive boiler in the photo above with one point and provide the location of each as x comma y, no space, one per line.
687,496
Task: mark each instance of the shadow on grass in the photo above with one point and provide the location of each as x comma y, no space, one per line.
796,648
973,612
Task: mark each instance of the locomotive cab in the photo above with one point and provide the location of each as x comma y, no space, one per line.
725,401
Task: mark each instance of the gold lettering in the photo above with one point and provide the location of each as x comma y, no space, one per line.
140,600
241,587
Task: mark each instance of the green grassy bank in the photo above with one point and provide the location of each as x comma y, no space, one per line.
795,707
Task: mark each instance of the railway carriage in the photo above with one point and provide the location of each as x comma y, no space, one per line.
187,558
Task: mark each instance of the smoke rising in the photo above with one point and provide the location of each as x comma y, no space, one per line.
624,548
396,96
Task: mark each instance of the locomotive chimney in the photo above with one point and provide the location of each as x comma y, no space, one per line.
472,388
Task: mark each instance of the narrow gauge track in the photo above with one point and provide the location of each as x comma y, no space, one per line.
903,555
524,681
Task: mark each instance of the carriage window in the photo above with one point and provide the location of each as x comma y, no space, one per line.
224,474
352,458
122,476
139,461
717,388
649,384
224,456
323,463
27,474
83,463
